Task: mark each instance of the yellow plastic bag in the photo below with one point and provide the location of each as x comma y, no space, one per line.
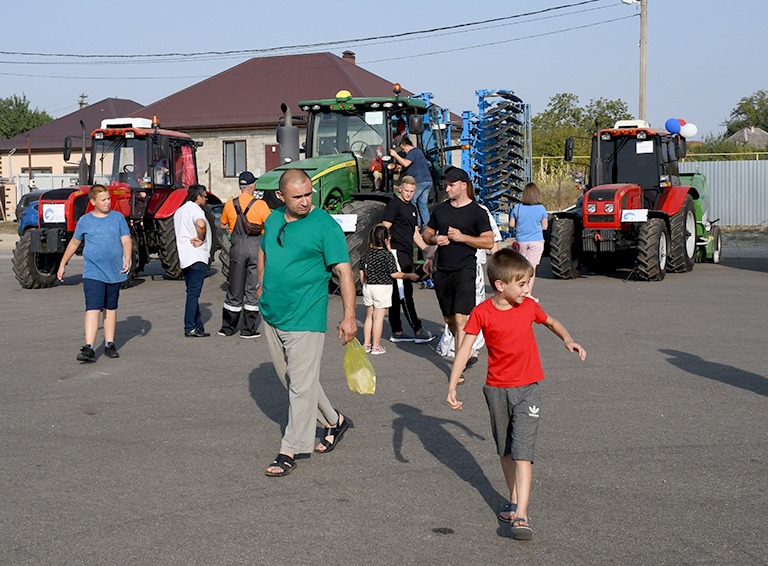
360,375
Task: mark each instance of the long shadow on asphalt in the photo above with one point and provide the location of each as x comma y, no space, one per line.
439,442
758,264
718,372
270,395
131,327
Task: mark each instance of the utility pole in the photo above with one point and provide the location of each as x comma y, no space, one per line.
643,53
83,102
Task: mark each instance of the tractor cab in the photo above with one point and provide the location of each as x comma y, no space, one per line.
633,153
368,128
138,157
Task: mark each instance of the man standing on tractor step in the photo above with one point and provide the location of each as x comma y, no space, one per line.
417,166
301,245
193,242
245,236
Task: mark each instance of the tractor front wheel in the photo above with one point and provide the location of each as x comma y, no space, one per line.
369,214
136,266
169,254
34,270
562,256
682,252
717,245
652,250
225,248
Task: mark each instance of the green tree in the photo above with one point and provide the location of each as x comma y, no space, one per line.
564,117
17,118
605,112
561,119
750,111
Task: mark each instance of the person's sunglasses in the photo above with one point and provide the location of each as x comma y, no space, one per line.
280,235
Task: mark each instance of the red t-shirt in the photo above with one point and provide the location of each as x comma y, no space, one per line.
513,356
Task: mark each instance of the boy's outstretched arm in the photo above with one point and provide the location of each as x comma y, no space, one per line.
556,327
459,363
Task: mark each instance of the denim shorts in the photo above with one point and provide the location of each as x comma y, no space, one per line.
515,413
100,295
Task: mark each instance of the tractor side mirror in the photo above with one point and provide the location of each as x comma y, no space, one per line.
67,148
416,124
681,149
569,149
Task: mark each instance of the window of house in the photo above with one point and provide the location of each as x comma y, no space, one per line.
71,170
37,170
234,158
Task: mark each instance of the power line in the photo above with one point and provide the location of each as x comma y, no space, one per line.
241,52
399,57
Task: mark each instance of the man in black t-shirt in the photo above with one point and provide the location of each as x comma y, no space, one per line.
400,217
459,227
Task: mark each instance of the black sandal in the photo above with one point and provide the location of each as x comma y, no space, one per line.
285,463
336,433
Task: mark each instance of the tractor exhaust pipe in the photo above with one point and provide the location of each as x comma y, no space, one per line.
288,137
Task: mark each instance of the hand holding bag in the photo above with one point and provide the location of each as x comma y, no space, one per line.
360,375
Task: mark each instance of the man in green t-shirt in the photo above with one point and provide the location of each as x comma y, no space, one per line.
301,247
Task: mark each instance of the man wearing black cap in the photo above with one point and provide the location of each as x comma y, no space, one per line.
459,227
243,216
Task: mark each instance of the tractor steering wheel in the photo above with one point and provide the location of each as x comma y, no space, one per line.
363,147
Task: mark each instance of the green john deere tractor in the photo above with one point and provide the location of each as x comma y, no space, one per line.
347,155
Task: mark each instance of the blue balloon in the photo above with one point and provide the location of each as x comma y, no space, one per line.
672,126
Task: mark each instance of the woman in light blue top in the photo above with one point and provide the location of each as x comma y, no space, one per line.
530,219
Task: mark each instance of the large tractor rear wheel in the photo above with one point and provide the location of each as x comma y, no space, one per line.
169,255
652,250
682,252
33,270
562,256
369,214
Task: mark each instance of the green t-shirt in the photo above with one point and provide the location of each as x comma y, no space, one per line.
296,275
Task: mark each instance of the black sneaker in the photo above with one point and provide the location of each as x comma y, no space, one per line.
110,351
400,337
225,332
86,354
196,333
247,334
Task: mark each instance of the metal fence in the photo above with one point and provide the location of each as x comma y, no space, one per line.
738,190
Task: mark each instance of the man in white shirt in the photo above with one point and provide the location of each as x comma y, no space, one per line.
193,241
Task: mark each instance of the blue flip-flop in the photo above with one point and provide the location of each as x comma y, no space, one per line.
508,508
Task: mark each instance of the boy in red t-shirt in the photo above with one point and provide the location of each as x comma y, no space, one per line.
514,370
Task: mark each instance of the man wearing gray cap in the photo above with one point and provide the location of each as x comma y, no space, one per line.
244,217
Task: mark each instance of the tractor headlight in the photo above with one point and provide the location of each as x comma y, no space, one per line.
609,207
591,208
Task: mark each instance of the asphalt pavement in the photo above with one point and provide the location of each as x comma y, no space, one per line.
652,451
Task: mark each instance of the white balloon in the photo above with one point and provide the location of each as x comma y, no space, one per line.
689,130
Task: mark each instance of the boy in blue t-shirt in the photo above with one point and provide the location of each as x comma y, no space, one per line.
107,255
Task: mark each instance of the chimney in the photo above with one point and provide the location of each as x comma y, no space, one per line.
348,56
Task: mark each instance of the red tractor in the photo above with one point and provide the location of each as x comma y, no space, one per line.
638,208
147,170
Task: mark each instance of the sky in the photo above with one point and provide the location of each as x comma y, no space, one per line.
703,55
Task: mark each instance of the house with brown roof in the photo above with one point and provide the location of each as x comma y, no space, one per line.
235,113
37,155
